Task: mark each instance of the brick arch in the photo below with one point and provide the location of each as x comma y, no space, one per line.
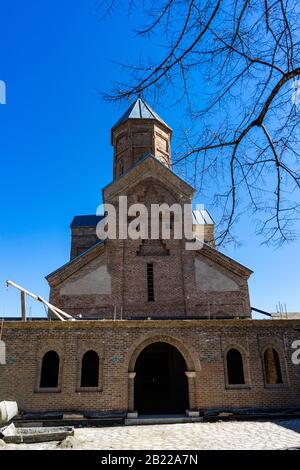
236,345
272,345
190,356
42,349
245,360
282,360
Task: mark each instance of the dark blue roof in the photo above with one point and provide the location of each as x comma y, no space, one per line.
86,220
139,110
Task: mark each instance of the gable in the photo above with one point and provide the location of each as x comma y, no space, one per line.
211,279
93,278
147,167
216,257
152,191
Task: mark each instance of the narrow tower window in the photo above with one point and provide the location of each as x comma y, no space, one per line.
150,284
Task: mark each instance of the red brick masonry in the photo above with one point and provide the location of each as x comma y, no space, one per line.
202,343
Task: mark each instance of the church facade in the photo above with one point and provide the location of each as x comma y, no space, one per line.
159,329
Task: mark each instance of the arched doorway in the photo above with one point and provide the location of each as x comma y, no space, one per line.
160,383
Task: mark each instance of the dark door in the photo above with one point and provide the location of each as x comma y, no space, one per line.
160,382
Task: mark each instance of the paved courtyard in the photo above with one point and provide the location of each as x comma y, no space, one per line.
279,434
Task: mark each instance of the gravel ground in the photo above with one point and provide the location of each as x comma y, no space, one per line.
279,434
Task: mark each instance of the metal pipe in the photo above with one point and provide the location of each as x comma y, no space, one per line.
51,307
23,305
261,311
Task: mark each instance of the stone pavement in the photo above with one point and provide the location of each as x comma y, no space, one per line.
279,434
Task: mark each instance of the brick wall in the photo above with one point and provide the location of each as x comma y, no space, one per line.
202,343
176,292
82,238
134,138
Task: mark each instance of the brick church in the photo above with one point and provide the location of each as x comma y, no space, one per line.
158,329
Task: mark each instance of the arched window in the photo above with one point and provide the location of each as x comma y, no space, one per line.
50,370
235,369
272,367
90,369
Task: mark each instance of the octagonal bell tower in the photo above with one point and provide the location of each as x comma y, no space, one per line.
140,131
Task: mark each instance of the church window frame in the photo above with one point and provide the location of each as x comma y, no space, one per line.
40,364
83,347
246,368
283,367
85,373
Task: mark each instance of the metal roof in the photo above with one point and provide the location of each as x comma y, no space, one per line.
202,217
86,220
199,217
139,110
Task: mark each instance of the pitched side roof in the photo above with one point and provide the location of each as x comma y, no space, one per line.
139,110
86,220
202,217
225,261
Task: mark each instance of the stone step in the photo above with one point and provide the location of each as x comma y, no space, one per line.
162,419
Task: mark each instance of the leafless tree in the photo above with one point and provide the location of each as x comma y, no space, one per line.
235,64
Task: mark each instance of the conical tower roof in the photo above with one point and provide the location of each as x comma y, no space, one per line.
139,110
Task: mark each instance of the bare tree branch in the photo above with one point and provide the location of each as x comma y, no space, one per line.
233,67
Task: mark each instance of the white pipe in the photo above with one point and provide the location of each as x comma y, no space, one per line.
51,307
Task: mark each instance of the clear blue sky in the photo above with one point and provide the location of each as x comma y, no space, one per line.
56,58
